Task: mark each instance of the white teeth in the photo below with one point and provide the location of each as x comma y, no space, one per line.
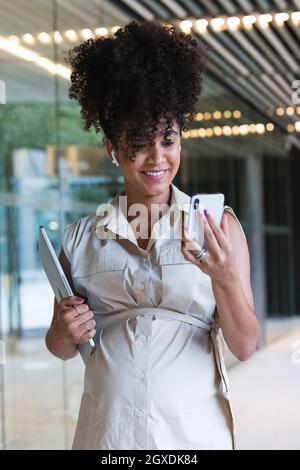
154,173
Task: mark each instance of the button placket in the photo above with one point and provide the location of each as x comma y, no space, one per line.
140,401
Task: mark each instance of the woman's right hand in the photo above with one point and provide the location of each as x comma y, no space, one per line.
74,320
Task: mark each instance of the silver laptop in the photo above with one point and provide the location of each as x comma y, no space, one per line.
59,281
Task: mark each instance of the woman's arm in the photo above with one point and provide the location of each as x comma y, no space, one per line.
70,326
227,263
234,299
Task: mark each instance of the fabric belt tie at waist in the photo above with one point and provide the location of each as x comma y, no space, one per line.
213,329
105,320
177,316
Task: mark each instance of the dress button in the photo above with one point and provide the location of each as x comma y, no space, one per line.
140,285
141,375
138,413
142,338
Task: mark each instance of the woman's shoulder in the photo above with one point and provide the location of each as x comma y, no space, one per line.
85,223
229,210
81,227
75,234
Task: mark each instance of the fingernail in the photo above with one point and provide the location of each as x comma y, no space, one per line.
206,213
79,299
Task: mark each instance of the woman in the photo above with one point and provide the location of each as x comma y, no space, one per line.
155,300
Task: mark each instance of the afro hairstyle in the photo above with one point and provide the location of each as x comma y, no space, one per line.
143,75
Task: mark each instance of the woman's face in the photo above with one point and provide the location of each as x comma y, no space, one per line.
153,168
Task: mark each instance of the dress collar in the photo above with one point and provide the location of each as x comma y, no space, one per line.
113,217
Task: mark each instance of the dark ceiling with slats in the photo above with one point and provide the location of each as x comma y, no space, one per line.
250,70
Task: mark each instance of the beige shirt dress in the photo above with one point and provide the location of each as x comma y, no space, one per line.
157,378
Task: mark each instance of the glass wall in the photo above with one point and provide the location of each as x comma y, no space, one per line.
51,174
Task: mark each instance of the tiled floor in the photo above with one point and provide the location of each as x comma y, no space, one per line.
42,394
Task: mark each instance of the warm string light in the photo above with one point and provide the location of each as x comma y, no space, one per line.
280,18
243,130
221,131
87,33
12,44
264,20
186,26
101,31
208,116
236,114
28,39
233,23
217,24
289,111
293,127
248,21
114,29
71,35
44,38
59,37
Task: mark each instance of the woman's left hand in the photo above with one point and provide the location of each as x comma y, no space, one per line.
219,261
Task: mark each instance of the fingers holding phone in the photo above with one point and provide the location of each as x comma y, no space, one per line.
197,237
190,248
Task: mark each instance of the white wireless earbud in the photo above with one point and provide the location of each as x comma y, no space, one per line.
114,160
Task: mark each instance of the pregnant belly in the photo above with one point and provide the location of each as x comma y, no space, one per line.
173,358
161,372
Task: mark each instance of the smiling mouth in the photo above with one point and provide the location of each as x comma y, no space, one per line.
155,173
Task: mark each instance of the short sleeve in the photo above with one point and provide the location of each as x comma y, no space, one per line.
68,240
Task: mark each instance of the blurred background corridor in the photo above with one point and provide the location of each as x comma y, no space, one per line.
244,142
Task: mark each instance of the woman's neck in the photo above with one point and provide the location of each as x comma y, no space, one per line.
135,197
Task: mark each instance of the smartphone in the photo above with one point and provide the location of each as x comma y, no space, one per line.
214,203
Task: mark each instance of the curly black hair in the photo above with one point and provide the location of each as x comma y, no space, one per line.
143,75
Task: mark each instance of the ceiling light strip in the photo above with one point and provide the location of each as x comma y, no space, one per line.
218,23
33,57
232,131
